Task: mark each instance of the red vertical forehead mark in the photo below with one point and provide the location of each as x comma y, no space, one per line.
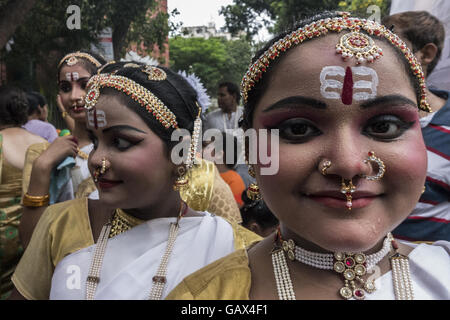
95,119
347,89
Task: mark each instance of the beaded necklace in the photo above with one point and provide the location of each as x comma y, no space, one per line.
118,224
351,266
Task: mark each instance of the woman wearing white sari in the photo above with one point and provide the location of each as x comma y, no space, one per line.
154,240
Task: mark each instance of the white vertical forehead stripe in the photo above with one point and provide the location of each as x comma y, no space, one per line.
332,81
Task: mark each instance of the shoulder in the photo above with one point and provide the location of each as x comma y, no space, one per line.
217,281
39,147
429,265
214,114
65,211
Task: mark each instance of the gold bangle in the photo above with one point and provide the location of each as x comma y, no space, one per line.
64,114
35,201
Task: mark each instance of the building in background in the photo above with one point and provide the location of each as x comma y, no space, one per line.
207,32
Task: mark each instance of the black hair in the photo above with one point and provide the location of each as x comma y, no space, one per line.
257,91
41,99
13,106
85,63
257,210
175,92
228,137
33,104
420,28
232,89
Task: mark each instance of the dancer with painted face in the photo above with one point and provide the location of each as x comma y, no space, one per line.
345,95
58,172
151,239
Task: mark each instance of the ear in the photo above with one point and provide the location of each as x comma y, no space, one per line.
426,55
254,226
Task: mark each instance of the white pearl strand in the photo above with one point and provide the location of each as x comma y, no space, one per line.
159,280
159,284
325,261
401,276
284,284
96,264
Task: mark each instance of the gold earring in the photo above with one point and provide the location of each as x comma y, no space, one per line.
182,181
253,192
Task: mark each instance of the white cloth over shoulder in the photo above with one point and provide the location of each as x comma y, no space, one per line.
132,258
430,274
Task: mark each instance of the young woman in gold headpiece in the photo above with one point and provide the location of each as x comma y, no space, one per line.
57,172
344,94
150,239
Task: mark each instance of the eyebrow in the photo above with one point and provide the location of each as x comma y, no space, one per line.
122,127
392,100
296,100
78,80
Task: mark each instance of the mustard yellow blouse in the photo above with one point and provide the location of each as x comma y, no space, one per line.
228,278
64,228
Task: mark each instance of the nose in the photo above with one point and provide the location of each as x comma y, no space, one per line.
347,152
77,93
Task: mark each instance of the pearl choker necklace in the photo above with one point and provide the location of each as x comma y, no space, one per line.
352,267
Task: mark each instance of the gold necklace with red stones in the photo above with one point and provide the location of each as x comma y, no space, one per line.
351,266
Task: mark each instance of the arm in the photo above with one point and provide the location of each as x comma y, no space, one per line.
15,295
40,182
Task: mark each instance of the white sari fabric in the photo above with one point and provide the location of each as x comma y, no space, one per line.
430,274
132,258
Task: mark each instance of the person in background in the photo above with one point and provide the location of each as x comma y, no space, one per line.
37,117
14,142
226,119
217,153
58,171
151,239
430,220
257,217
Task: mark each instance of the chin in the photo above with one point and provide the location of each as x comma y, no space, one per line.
349,239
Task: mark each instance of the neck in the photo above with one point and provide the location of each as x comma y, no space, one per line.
435,101
286,234
168,206
81,134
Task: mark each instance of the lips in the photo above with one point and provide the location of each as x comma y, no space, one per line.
77,109
108,184
336,199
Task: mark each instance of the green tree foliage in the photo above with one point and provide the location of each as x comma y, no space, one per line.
371,9
213,60
281,14
43,38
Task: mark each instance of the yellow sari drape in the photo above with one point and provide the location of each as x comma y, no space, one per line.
10,213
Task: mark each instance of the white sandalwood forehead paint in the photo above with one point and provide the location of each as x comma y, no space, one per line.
72,76
338,83
96,118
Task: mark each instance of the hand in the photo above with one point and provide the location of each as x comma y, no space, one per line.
60,104
60,149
